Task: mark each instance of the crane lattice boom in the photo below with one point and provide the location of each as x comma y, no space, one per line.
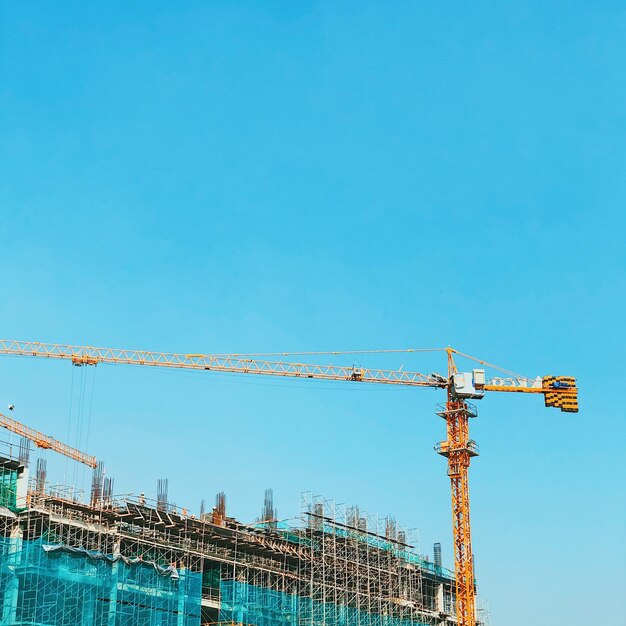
46,442
88,355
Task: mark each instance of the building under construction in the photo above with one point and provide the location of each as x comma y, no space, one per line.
122,561
100,560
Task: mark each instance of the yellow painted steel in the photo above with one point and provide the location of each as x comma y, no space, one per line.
89,355
46,442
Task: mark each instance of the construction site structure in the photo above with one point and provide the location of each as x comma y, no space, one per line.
558,391
132,561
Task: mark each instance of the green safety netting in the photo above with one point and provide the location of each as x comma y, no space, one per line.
52,585
243,603
8,487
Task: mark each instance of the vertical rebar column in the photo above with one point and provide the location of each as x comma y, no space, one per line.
24,453
97,484
40,476
162,485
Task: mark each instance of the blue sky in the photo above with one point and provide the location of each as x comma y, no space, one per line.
247,177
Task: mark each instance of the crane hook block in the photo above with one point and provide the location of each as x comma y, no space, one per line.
560,392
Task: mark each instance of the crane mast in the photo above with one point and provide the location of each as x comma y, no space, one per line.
459,449
559,392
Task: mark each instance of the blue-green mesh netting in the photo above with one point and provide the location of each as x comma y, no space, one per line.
8,487
42,585
247,604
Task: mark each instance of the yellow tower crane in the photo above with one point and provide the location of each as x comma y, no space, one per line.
558,391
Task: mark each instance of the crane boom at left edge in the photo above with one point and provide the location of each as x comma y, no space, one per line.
46,442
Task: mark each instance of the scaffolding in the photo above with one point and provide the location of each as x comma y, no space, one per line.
353,569
107,561
53,584
66,564
362,570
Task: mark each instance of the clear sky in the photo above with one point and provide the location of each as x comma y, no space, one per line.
289,176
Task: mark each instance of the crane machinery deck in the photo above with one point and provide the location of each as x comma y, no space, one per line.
460,387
